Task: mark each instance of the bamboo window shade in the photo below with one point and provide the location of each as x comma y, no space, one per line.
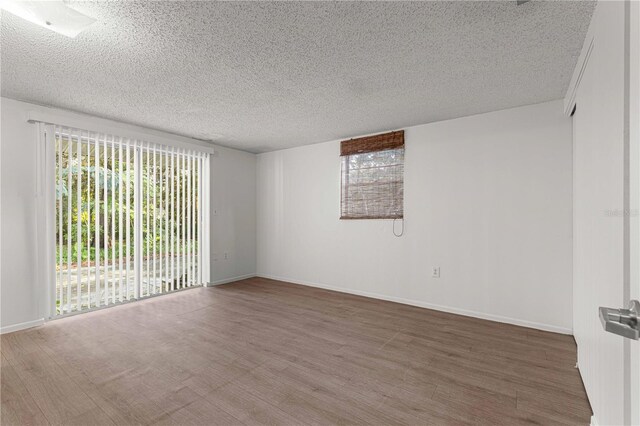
373,177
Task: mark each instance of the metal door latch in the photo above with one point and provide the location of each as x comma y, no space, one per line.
622,321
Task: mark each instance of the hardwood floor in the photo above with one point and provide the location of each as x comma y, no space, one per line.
268,352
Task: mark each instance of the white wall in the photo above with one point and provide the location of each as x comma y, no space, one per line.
232,229
19,297
233,215
488,198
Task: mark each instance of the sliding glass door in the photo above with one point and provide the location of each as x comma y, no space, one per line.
128,219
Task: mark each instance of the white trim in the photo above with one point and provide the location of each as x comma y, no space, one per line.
230,280
101,125
578,72
632,203
452,310
581,65
594,421
21,326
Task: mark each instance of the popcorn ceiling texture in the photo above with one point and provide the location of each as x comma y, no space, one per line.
261,76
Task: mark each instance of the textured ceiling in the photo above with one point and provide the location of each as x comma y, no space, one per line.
261,76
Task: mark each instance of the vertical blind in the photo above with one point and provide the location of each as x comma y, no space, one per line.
128,219
373,177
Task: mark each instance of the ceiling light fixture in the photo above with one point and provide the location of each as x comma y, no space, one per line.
53,15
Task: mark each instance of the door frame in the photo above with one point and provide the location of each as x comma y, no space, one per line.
45,222
632,201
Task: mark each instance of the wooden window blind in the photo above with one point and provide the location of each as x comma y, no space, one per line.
373,177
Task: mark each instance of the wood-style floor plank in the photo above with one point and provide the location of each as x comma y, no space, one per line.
260,351
18,407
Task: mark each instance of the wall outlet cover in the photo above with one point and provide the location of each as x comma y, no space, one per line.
435,272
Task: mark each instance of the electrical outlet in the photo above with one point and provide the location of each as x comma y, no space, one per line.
435,272
226,256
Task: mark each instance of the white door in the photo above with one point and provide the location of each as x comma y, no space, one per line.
598,238
607,209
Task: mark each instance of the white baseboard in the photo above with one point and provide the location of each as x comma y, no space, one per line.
21,326
230,280
594,421
468,313
452,310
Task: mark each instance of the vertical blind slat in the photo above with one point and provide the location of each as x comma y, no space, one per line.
88,221
173,220
96,154
137,233
181,216
128,221
190,216
69,230
193,219
189,274
176,221
105,289
182,198
199,195
167,224
113,220
185,220
179,220
146,256
155,217
78,219
160,233
120,260
185,258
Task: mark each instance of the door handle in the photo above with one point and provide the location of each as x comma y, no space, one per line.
623,322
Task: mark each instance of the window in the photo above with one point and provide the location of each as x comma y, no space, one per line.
128,220
373,177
